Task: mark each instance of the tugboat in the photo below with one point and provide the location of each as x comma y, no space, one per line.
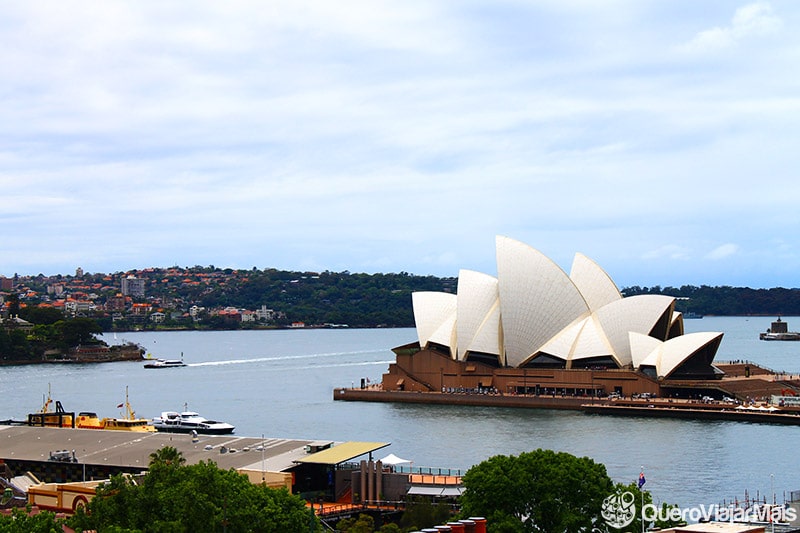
47,418
779,331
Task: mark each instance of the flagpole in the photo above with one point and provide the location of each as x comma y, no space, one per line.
641,492
642,513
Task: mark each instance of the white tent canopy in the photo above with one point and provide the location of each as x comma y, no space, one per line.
393,460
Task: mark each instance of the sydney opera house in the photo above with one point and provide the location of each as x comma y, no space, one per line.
534,329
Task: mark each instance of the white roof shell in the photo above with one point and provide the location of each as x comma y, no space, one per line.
677,319
537,299
606,331
582,339
637,314
669,355
435,316
595,285
641,347
478,315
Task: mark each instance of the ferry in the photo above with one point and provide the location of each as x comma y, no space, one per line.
163,363
188,422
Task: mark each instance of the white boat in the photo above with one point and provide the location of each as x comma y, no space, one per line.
188,421
164,363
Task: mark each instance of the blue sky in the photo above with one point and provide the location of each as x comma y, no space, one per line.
658,138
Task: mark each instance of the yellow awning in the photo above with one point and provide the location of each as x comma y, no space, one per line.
342,452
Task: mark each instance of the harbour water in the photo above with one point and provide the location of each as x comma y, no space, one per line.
280,384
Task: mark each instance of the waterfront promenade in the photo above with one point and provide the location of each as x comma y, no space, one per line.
748,386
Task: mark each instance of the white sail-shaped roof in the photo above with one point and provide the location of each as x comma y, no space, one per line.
478,322
638,314
582,339
537,299
668,356
433,311
489,339
592,341
677,323
445,334
597,287
562,345
642,347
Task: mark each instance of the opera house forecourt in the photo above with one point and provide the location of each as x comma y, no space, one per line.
558,339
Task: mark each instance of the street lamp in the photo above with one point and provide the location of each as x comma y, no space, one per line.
771,507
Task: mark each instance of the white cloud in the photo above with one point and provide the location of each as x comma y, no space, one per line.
723,252
671,252
752,20
394,135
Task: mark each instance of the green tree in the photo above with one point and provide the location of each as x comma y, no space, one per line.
541,491
41,315
173,497
76,331
20,521
422,512
13,304
168,456
364,523
14,345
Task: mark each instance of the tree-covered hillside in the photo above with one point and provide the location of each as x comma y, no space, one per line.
728,301
214,298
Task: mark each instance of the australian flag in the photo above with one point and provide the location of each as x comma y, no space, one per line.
642,480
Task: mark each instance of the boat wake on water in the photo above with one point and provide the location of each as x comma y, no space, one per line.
337,365
281,358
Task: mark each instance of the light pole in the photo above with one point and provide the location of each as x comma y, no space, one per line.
771,507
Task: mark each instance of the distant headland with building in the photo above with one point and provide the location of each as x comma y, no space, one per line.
223,298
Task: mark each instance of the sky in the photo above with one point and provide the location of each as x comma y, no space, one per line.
658,138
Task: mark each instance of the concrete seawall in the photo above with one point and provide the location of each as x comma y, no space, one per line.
641,408
694,414
438,398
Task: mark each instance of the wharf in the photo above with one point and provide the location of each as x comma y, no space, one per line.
440,398
653,408
100,453
695,412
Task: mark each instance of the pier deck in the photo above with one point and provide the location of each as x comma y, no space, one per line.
99,453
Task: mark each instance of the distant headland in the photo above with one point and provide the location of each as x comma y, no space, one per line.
215,298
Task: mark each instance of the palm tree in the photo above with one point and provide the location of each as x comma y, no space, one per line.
166,456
